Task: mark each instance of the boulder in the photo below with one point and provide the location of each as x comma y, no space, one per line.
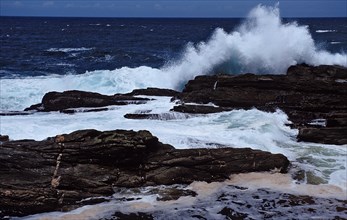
59,172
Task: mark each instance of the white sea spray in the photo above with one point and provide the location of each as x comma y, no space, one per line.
261,44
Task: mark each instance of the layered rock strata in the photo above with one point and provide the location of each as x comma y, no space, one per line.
59,172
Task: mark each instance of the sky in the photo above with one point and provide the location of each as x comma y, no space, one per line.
168,8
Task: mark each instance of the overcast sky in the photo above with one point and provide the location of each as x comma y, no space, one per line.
168,8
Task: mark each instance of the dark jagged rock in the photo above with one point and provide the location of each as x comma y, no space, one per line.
77,110
57,173
57,101
161,116
199,109
154,92
4,138
173,194
15,113
306,93
185,166
132,216
232,214
336,122
141,116
232,202
324,72
324,135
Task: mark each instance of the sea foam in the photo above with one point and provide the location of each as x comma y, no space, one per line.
261,44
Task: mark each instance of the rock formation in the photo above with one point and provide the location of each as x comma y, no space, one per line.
59,101
312,97
305,94
57,173
153,92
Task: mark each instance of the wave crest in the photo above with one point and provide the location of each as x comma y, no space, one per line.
261,44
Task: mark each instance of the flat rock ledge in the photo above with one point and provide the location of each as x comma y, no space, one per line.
61,101
68,101
59,172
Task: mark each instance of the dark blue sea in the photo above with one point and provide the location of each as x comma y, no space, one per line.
117,55
33,46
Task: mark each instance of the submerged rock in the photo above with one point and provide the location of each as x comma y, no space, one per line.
57,173
306,93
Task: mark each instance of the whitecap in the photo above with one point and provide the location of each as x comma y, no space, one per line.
67,50
325,31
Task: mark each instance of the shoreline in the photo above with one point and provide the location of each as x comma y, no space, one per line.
312,97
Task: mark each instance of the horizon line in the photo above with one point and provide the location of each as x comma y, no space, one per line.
147,17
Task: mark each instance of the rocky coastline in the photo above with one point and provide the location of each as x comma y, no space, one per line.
312,97
58,173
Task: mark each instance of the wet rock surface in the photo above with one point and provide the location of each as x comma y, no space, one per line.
57,173
264,203
61,172
305,93
154,92
59,101
199,109
4,138
161,116
230,202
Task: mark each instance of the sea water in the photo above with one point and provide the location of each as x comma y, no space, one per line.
118,55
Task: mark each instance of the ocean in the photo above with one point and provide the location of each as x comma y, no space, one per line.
117,55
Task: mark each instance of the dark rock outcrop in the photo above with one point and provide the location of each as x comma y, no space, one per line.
306,93
154,92
199,109
58,101
323,135
4,138
231,202
57,173
15,113
161,116
78,110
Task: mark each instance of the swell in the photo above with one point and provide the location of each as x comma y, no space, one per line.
262,44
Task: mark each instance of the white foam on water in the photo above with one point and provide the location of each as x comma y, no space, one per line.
325,31
30,90
261,44
239,128
67,50
284,183
207,196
